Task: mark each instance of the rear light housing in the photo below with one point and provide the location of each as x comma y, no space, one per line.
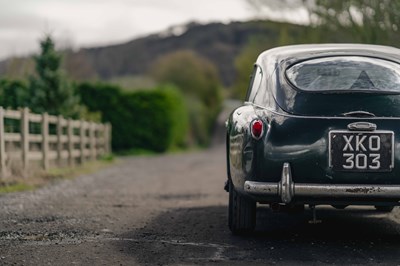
257,129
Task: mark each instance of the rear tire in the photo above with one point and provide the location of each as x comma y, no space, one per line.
242,212
384,208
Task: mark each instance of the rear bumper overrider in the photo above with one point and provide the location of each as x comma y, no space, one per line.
286,189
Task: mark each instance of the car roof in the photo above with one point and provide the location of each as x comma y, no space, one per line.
296,102
292,53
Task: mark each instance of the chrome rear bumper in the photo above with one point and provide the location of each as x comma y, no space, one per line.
286,189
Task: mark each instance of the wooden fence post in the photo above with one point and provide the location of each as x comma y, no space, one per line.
25,138
2,145
105,138
82,143
59,139
102,149
108,139
92,141
45,140
70,143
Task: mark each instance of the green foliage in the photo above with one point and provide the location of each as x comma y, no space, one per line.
108,100
178,115
87,115
131,83
244,63
198,80
369,21
152,119
194,75
49,89
333,21
199,124
136,152
277,34
108,157
365,21
13,94
14,187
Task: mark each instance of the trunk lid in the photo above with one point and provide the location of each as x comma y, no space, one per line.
304,143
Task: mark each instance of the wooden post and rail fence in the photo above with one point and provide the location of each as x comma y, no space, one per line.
57,141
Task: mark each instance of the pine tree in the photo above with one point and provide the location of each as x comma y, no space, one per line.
49,90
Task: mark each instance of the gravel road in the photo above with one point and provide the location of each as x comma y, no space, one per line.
171,210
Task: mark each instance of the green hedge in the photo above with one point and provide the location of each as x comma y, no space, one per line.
151,119
13,94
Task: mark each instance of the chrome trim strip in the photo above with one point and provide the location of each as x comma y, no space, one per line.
286,189
329,150
321,117
353,113
362,126
327,190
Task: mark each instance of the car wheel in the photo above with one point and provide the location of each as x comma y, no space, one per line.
242,212
384,208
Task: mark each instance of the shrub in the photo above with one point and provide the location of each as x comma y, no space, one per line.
153,119
198,80
13,94
49,90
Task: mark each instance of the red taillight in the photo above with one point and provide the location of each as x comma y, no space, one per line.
257,129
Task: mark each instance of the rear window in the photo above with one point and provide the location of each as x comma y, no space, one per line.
345,74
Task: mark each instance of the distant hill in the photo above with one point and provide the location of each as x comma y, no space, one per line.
218,42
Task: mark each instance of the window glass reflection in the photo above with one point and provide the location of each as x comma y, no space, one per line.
346,73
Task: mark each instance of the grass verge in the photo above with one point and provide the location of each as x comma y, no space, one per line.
14,187
41,178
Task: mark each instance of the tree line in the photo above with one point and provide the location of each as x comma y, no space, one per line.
177,105
328,21
178,112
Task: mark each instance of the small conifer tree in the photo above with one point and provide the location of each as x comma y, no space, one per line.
49,90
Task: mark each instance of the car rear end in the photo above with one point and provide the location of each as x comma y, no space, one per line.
335,138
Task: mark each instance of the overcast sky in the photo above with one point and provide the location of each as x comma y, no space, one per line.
85,23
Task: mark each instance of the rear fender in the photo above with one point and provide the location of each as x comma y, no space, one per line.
241,146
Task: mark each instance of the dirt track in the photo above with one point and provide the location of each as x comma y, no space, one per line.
172,210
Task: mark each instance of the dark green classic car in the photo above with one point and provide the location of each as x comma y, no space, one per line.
320,125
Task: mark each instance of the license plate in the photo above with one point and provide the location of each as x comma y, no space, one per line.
360,151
